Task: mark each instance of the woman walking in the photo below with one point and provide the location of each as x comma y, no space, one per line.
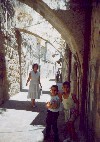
34,78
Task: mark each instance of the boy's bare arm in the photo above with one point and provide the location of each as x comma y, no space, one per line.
52,106
48,104
29,77
60,96
40,82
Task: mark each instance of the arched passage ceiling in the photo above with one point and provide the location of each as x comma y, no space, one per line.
31,33
52,17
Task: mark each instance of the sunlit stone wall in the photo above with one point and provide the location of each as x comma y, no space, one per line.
8,53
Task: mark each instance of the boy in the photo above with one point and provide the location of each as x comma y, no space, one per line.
71,106
53,107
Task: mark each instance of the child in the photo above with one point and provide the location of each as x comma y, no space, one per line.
71,106
53,106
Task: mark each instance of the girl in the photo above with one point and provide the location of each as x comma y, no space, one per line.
53,106
71,106
34,78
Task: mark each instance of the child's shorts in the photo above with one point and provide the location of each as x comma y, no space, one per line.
69,116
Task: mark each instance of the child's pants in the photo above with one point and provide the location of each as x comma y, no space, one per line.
51,120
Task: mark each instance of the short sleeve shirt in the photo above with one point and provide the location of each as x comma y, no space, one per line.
54,99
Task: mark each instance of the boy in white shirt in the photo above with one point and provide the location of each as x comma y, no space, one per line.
53,107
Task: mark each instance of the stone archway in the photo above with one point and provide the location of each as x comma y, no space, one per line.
52,17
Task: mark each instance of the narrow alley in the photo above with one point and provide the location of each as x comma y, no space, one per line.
63,38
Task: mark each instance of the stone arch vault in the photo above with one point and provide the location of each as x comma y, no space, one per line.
52,17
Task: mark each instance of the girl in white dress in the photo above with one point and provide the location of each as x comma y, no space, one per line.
34,78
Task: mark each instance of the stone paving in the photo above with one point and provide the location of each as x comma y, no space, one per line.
19,122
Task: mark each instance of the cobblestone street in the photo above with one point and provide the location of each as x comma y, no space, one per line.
19,122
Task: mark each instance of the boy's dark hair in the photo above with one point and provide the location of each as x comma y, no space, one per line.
55,86
35,65
67,83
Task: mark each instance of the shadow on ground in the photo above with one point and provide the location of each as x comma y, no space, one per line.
40,118
22,105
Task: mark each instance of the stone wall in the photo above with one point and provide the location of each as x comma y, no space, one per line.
4,84
94,75
10,68
9,59
74,20
12,63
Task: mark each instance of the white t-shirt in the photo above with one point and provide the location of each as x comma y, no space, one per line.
54,99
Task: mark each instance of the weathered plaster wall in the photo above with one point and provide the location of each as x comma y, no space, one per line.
94,73
74,20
